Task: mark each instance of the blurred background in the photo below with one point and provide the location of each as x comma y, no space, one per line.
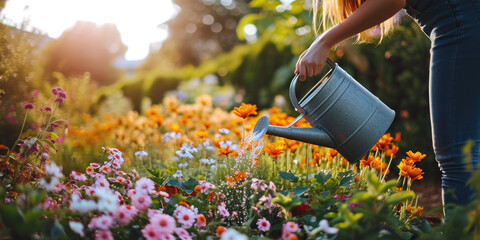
122,56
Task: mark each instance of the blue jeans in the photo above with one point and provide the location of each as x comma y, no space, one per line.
453,27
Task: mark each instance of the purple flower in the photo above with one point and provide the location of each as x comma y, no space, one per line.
354,205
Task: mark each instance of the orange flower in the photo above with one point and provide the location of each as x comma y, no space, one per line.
391,150
333,152
383,142
416,157
245,110
211,196
398,137
404,167
198,188
201,134
274,149
220,230
366,162
379,165
226,151
291,144
415,210
201,220
415,173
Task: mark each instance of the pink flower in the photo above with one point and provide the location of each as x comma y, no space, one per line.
272,186
289,228
182,234
185,216
78,176
153,212
120,179
145,185
223,211
102,182
341,198
103,222
103,235
149,232
125,213
94,165
163,223
263,224
141,201
27,105
205,186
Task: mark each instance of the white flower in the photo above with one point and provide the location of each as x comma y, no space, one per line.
49,183
82,206
77,228
178,174
107,200
224,131
141,154
145,185
323,225
53,170
232,234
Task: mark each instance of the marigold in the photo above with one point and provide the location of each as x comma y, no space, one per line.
274,149
245,110
226,151
415,173
220,230
404,167
416,157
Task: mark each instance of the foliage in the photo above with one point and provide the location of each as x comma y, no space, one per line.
18,50
200,31
200,175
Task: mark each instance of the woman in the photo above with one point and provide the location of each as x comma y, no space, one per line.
453,27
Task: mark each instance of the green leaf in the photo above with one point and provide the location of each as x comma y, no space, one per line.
297,191
175,183
361,197
346,181
387,185
189,186
344,174
288,176
53,135
49,143
323,176
399,197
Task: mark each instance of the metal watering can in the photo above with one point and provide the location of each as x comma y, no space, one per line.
344,115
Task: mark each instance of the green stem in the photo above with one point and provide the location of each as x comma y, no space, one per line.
20,134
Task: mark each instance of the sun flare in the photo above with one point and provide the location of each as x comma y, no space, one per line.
139,23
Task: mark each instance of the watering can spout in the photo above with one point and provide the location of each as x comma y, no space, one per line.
309,135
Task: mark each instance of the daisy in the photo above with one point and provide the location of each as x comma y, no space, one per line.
103,235
141,201
163,223
78,176
149,232
182,234
263,224
144,185
185,216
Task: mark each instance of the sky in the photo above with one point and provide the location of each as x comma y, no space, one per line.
137,20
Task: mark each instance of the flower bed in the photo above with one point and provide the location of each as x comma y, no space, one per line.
193,172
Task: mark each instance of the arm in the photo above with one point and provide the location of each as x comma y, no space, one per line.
369,14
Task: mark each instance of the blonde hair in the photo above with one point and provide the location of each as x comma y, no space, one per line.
335,11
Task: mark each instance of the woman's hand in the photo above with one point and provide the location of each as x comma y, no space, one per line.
312,60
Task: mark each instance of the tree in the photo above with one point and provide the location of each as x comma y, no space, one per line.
199,32
86,47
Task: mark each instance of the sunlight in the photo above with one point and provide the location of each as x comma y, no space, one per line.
138,22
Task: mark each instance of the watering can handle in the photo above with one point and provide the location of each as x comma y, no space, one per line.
293,96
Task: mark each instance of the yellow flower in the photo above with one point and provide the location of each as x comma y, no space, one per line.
245,110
